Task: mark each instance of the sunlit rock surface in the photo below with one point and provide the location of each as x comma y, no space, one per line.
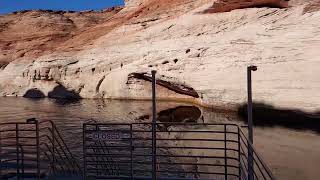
205,52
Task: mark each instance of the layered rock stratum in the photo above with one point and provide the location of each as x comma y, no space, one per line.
200,49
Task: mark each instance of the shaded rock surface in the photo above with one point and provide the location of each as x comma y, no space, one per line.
92,54
229,5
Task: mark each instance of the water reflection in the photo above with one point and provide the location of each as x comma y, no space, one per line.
70,115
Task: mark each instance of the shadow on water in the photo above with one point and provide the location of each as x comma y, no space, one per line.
34,93
179,114
60,93
61,101
267,116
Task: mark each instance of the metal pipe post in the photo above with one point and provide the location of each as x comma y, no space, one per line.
17,152
154,126
225,154
131,153
38,148
84,151
250,123
0,156
53,151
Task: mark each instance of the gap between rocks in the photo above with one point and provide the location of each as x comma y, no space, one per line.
178,88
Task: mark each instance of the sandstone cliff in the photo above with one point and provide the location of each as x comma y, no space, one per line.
200,53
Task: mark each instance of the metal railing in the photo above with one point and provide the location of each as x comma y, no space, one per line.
12,155
37,150
259,168
183,151
55,150
18,149
34,149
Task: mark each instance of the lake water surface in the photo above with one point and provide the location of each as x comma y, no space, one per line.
291,154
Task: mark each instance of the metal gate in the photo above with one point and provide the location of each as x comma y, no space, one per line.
107,150
19,150
183,151
34,150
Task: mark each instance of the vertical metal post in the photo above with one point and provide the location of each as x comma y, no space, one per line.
22,160
96,158
131,152
53,150
0,156
17,149
84,151
225,154
154,126
250,123
239,154
38,149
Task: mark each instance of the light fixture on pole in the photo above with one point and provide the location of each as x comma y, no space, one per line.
250,123
154,126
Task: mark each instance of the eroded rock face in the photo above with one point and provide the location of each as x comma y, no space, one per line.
133,3
312,6
199,57
229,5
38,32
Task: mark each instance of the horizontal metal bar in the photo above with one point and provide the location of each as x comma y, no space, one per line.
167,139
162,139
186,147
171,123
20,137
188,131
94,176
161,147
167,163
199,172
15,159
14,145
14,130
102,147
106,124
161,131
25,151
142,178
14,123
168,171
159,155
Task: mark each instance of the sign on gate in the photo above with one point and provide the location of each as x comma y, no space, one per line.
110,136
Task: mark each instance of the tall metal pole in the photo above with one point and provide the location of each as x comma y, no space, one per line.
250,123
154,126
38,149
